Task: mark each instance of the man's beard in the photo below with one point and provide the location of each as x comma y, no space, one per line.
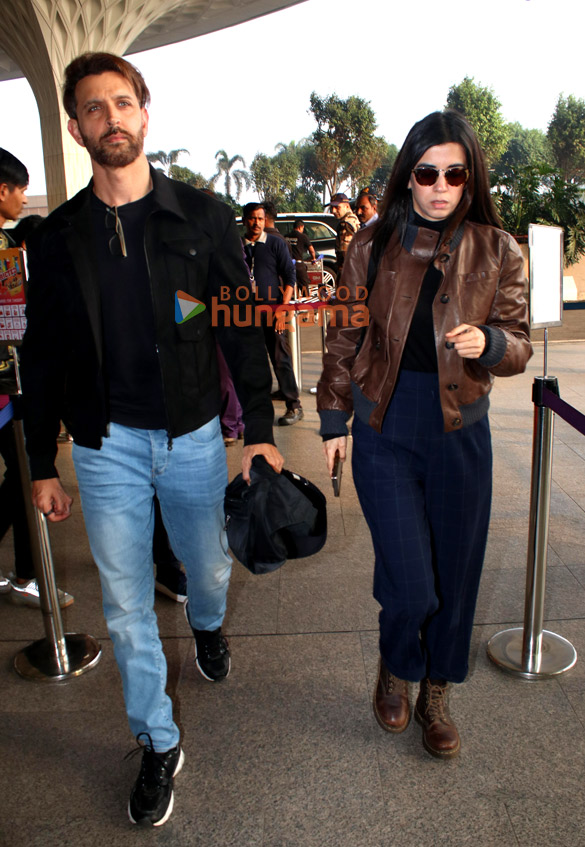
115,156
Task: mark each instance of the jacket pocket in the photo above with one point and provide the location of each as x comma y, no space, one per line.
186,263
195,356
371,365
477,291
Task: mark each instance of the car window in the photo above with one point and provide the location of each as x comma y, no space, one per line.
315,230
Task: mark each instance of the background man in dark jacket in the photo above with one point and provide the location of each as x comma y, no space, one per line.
274,277
122,281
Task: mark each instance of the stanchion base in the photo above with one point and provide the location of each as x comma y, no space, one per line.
39,663
556,656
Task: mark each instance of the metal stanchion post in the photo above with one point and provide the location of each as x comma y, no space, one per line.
323,322
295,349
531,652
58,656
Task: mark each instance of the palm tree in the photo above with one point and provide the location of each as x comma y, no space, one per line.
225,170
167,160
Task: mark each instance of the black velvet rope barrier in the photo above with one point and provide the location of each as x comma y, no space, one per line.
571,415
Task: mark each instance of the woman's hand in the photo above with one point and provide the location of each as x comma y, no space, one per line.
331,447
469,341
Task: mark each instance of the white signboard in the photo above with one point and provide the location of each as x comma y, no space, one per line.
546,275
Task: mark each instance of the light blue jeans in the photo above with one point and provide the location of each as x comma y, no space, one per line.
117,485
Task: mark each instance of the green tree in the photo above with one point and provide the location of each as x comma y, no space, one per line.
525,147
539,194
275,177
381,175
368,164
482,109
283,179
167,160
197,180
344,141
566,133
517,196
226,171
303,200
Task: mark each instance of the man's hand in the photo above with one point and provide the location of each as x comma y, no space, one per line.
331,447
270,453
469,341
51,499
280,322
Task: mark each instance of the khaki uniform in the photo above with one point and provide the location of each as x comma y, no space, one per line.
347,228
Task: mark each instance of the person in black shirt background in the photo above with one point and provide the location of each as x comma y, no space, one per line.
299,246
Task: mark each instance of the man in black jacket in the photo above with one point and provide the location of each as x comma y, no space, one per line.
273,275
122,282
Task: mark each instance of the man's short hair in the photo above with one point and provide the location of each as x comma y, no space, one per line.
370,194
297,224
100,63
249,208
12,171
270,209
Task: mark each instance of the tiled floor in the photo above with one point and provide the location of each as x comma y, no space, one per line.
287,753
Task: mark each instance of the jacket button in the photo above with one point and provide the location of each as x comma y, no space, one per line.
453,386
377,344
444,257
444,298
456,422
192,251
449,345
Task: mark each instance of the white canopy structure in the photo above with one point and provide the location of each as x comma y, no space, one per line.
38,39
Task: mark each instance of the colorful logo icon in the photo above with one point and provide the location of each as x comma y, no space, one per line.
186,307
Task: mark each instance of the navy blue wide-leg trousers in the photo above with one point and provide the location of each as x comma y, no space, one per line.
426,496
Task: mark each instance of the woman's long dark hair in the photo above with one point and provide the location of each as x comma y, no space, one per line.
476,202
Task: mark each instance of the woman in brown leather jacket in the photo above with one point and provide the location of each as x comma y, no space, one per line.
447,313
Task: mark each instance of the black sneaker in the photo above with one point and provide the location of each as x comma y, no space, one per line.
212,655
171,580
151,800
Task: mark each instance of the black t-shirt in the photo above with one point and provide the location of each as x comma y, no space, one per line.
132,369
420,352
299,244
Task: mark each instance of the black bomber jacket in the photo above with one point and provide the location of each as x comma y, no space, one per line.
192,245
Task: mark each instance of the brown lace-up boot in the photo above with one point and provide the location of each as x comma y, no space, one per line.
440,736
391,704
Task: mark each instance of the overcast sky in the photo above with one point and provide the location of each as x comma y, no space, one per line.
247,88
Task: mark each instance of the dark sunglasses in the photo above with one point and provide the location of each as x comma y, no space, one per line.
425,175
117,242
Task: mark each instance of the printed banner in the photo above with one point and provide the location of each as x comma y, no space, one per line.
12,295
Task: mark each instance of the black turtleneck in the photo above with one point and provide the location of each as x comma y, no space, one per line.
420,353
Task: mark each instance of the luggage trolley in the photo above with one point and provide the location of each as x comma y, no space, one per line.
311,309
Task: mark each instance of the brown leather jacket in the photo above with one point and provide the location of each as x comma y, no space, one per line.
483,284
